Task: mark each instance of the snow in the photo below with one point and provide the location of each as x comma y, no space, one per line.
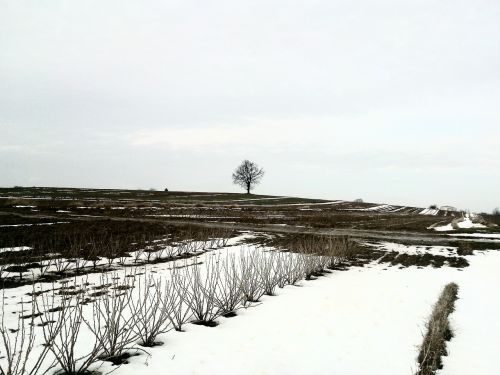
479,235
380,208
29,225
475,347
464,223
386,208
343,323
467,224
17,248
429,211
443,228
313,337
415,249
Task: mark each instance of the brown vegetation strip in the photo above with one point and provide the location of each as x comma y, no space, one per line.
438,332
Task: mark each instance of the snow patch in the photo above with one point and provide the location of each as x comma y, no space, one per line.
414,249
429,211
17,248
478,235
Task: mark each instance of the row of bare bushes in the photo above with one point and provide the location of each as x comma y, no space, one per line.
83,253
138,308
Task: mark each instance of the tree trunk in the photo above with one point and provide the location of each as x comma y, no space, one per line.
248,188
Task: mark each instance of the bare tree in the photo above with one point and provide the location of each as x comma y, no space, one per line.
247,175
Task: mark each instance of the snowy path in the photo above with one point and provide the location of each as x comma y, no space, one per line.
475,349
363,321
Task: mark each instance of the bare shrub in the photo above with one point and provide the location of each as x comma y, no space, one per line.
158,250
93,250
61,326
111,250
465,248
228,295
19,344
438,332
180,312
200,293
336,249
138,254
309,265
75,252
268,271
44,266
292,269
342,248
61,265
111,323
250,281
151,310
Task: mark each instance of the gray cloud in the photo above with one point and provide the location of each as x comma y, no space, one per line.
391,100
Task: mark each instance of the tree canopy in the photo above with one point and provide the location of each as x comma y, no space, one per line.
247,175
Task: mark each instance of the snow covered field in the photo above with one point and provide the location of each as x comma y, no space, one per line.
361,321
364,321
475,348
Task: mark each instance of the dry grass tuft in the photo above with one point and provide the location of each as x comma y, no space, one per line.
438,332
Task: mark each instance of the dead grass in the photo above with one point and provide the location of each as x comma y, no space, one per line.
465,248
438,332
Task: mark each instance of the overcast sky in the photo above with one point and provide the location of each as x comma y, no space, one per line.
392,101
